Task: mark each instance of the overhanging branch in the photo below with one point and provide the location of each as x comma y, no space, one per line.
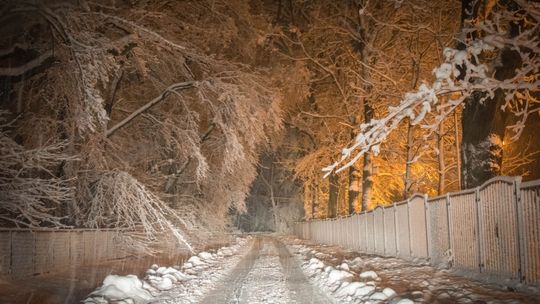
173,88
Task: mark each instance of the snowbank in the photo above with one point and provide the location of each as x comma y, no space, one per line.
121,289
339,282
130,289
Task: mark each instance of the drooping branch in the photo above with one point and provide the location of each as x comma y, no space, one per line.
173,88
119,200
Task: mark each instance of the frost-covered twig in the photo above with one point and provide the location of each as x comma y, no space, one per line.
118,200
30,194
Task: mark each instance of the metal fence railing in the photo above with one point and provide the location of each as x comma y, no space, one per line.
493,230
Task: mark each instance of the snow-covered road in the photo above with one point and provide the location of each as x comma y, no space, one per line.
271,269
267,274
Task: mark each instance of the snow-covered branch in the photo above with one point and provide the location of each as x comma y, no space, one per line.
463,73
119,200
30,194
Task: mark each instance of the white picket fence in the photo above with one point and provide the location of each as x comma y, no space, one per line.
492,230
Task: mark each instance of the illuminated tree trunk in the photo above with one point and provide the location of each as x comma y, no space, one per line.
407,180
458,150
409,157
440,158
367,182
354,182
333,195
314,195
483,121
367,37
354,187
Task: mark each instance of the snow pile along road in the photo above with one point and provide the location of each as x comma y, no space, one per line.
343,283
163,283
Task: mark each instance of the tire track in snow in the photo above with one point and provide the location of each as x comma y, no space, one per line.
265,283
267,274
230,288
301,290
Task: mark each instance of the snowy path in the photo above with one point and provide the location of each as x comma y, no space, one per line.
267,274
261,269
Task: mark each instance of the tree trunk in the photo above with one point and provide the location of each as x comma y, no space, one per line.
314,196
333,195
409,157
484,123
272,197
440,158
354,187
481,147
367,182
354,180
458,152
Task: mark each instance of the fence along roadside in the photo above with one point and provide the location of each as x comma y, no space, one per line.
492,230
25,252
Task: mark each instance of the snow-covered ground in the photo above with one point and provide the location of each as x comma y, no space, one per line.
343,282
353,278
265,282
177,284
270,269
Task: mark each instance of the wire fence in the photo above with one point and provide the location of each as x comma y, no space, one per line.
492,230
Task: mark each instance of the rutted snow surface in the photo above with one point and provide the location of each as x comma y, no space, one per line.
267,274
265,283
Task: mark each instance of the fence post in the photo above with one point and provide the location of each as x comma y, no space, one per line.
10,269
428,247
348,232
384,230
365,233
95,246
520,237
409,224
478,226
396,234
70,249
449,225
373,232
34,240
